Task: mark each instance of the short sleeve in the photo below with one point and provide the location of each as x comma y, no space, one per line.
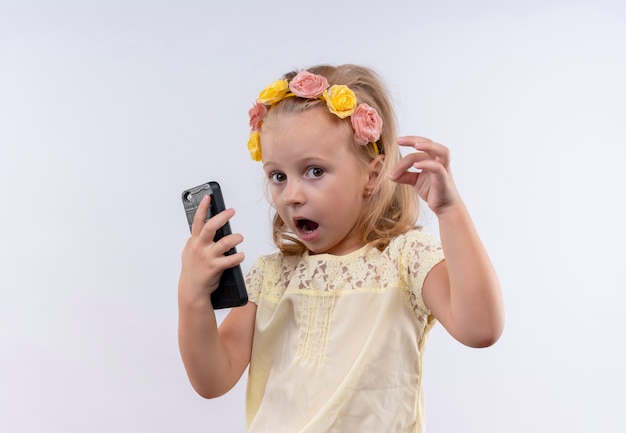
419,254
254,280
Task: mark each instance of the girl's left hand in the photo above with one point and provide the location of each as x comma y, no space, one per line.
432,180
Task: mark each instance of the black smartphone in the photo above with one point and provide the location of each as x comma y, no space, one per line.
231,291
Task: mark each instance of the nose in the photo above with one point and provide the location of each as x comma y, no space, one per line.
294,192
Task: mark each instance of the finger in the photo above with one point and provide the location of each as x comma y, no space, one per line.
407,177
435,150
230,261
422,165
215,223
200,215
433,167
407,163
412,140
227,243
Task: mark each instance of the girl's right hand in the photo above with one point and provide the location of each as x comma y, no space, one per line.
203,261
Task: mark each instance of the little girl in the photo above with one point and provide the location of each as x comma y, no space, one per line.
335,328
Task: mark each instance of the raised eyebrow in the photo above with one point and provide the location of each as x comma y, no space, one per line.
315,161
270,168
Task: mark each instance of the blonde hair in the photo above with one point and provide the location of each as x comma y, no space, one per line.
392,208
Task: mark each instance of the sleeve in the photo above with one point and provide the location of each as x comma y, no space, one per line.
419,255
254,280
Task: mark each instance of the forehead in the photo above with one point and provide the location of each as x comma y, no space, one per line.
310,132
314,116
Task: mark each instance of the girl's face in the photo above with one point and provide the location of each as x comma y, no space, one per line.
317,183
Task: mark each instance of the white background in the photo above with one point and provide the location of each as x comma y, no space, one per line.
109,109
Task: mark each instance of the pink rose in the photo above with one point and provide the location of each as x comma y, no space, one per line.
308,85
367,124
257,114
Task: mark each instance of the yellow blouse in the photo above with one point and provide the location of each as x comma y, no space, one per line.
338,339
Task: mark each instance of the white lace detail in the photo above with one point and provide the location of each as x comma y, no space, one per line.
405,262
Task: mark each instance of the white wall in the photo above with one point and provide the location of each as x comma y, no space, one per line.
108,109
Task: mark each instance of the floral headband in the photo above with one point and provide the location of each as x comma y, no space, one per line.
340,101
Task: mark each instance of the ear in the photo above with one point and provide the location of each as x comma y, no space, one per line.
374,169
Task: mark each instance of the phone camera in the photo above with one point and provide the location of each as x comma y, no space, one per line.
188,196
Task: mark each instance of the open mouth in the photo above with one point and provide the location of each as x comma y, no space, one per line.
306,226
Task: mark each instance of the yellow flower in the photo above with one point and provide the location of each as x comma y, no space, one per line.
274,93
340,100
254,145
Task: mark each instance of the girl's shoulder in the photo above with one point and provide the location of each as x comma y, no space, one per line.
271,265
276,259
415,240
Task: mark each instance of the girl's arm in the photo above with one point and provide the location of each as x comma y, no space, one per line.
214,358
463,291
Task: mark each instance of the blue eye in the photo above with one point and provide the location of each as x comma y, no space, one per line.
278,177
315,172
